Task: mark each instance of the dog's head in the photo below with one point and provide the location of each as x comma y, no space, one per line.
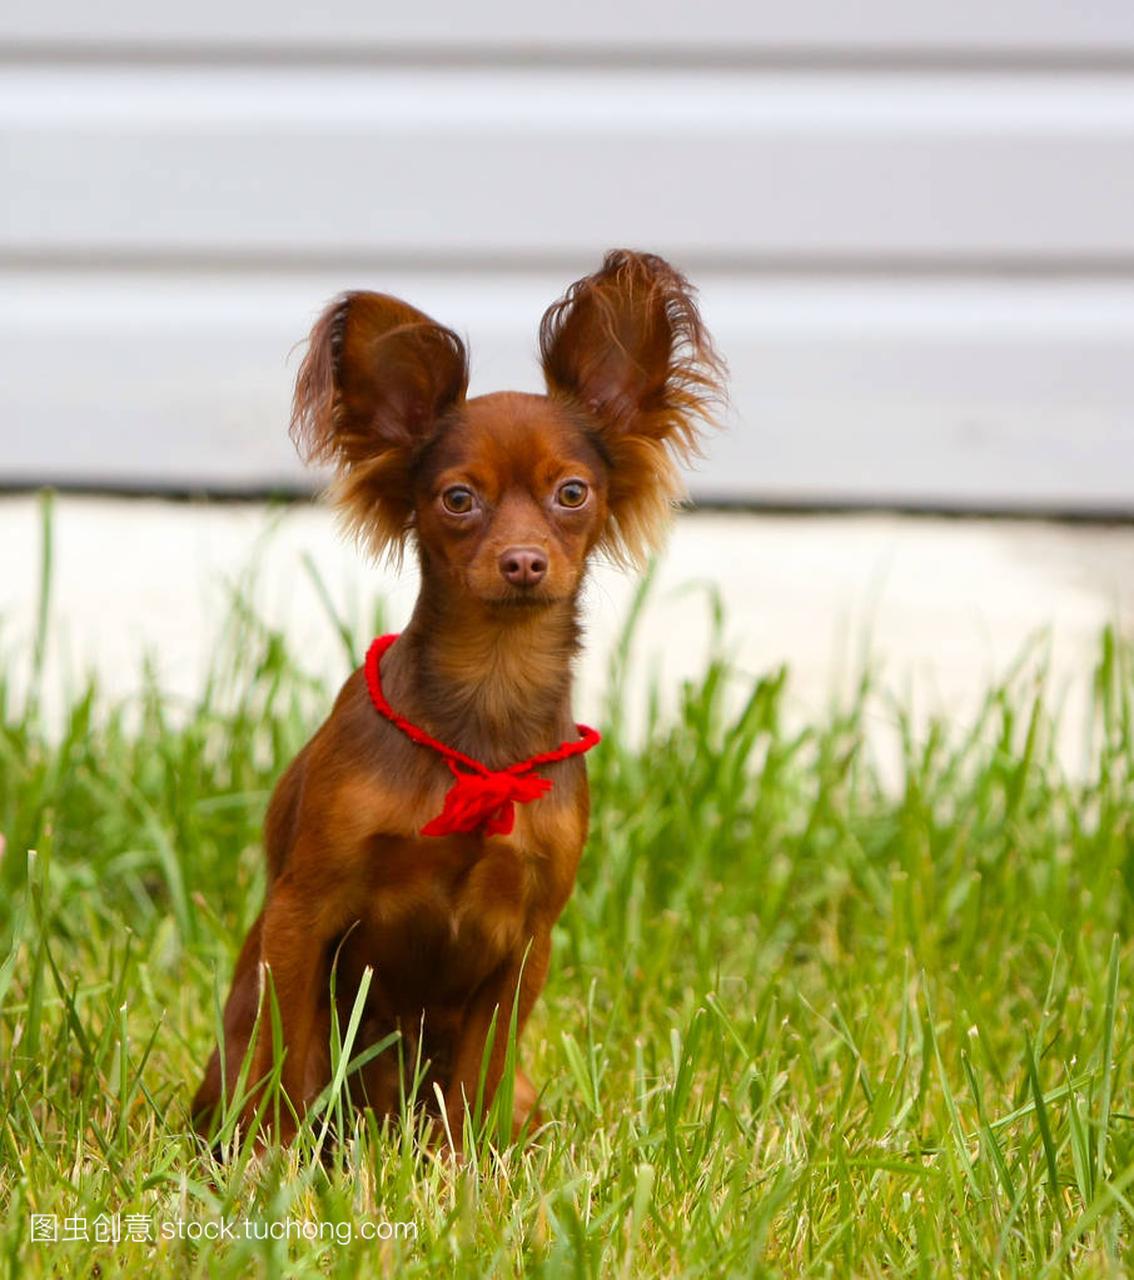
507,494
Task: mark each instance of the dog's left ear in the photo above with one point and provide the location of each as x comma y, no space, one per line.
378,377
626,346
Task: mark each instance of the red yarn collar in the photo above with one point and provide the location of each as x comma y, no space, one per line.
481,799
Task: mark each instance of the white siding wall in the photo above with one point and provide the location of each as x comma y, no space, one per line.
912,224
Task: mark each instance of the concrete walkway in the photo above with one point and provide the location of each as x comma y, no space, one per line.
943,605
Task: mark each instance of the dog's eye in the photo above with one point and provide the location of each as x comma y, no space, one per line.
572,494
458,500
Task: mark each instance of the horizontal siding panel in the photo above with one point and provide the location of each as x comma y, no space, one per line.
507,165
964,394
1101,26
734,167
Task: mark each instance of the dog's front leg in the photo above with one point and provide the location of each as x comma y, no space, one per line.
224,1065
517,983
293,961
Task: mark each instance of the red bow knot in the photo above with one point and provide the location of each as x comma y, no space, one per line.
481,799
485,801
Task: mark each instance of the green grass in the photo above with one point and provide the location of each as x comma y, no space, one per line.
799,1022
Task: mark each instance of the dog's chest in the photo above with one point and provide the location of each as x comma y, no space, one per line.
437,914
455,905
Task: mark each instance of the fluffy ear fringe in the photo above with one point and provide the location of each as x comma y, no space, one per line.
312,428
645,440
369,431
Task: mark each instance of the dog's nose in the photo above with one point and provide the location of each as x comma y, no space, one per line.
523,566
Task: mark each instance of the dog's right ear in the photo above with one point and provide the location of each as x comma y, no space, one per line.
377,378
626,347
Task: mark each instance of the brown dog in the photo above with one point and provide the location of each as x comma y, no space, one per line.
432,827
